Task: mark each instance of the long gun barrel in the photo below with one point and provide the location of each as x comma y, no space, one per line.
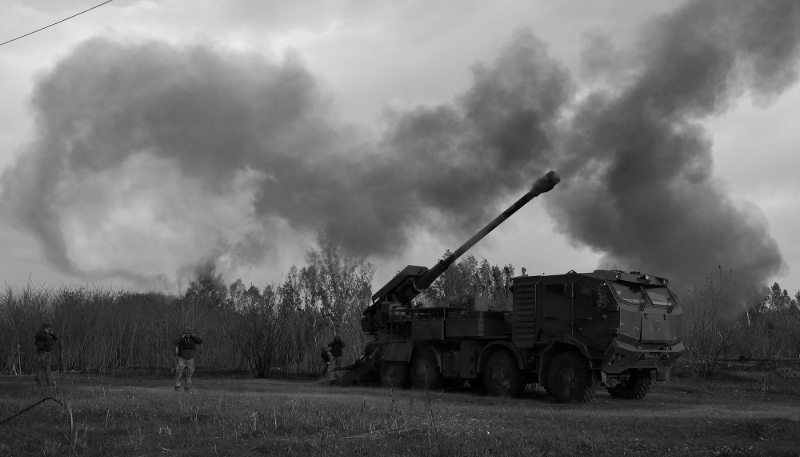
413,280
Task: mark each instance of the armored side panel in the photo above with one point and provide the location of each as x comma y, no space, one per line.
656,328
475,324
461,363
524,326
630,325
593,318
432,330
555,306
476,302
451,364
469,359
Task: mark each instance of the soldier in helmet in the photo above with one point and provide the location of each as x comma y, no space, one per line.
45,340
185,350
336,347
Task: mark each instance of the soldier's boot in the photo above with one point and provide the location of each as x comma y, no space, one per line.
177,388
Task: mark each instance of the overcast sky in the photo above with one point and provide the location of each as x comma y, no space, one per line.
145,137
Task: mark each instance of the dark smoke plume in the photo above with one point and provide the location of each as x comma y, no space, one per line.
638,163
152,158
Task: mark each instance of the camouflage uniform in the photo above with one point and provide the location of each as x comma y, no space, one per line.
185,350
336,350
185,366
44,361
328,359
45,340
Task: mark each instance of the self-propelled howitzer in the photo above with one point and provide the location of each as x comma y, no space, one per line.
569,333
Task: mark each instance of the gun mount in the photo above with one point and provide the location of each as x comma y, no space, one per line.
412,280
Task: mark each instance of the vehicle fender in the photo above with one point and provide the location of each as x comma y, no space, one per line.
557,347
494,345
578,345
437,351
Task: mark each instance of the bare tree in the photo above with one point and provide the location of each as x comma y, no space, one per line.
710,331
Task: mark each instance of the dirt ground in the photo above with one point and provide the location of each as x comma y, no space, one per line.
737,413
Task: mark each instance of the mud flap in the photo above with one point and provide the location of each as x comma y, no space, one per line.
360,369
397,351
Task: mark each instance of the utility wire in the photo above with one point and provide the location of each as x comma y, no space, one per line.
55,23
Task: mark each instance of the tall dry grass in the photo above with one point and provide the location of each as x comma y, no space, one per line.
274,332
715,330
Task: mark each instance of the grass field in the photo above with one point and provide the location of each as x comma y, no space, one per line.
739,413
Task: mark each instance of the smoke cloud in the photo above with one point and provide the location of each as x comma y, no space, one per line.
153,158
641,187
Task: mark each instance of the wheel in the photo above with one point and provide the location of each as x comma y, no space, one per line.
569,378
635,388
502,375
425,372
394,374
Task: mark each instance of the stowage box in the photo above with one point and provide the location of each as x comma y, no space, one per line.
474,324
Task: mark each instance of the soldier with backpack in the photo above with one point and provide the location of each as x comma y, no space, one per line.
185,350
336,347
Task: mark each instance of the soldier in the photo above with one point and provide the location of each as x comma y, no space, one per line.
185,350
327,357
45,340
336,350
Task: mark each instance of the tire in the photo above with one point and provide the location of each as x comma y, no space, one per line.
502,375
425,372
569,378
635,388
395,375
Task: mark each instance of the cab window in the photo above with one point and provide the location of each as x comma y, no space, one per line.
631,294
659,295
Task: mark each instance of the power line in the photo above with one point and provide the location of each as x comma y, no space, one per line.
55,23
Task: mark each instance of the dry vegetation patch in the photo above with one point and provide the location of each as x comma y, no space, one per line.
302,417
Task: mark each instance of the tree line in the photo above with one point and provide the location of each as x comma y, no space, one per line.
769,329
280,329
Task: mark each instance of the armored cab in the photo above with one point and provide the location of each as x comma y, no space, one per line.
625,328
569,333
